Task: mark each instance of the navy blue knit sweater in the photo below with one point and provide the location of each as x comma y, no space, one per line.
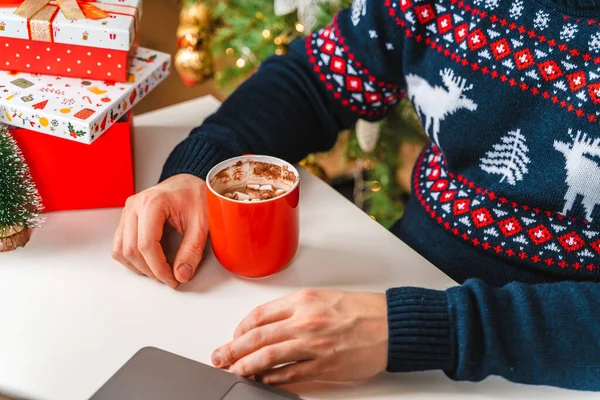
506,197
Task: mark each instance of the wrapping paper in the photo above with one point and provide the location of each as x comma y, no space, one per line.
77,109
117,32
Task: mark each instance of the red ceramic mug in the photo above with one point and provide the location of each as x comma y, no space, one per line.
259,238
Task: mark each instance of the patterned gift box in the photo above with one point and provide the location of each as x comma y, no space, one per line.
43,38
76,109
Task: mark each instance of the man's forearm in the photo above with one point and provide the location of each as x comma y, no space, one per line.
279,111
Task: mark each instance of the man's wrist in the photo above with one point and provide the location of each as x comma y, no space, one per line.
194,157
420,334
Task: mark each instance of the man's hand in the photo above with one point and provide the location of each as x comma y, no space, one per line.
311,335
179,201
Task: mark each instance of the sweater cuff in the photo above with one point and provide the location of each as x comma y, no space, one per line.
195,157
419,330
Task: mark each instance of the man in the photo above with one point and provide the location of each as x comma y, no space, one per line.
505,198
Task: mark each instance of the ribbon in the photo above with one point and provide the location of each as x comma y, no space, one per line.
40,14
72,9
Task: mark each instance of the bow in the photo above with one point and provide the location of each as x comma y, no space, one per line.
72,9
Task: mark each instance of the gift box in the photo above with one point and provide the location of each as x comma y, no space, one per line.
76,109
73,38
70,176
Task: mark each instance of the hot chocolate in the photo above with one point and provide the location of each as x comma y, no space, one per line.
254,192
253,181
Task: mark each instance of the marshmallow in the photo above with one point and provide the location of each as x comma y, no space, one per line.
253,186
266,187
241,196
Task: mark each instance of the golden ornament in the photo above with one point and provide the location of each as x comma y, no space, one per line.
194,66
189,36
314,168
194,61
12,238
197,14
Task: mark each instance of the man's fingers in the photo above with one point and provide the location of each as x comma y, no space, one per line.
117,245
293,373
190,252
150,231
268,357
268,313
130,245
252,341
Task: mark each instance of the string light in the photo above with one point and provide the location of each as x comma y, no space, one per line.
279,52
229,51
240,63
266,33
278,40
260,15
299,27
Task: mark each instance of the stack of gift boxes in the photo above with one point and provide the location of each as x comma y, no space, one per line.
70,73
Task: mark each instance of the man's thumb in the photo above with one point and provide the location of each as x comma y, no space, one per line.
189,255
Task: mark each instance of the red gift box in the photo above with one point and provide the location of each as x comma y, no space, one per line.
85,39
73,176
65,60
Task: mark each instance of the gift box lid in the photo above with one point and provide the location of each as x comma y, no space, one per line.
77,109
116,32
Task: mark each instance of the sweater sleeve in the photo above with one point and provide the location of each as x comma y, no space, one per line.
546,334
296,104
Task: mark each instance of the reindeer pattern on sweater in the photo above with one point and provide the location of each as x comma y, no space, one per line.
435,103
583,171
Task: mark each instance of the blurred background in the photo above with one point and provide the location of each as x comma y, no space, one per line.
216,44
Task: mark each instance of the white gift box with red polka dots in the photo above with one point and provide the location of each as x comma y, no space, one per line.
77,109
49,43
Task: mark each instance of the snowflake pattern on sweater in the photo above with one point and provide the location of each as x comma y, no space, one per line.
515,54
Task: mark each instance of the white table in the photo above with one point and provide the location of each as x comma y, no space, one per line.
70,316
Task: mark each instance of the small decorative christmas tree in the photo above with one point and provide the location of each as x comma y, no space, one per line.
20,204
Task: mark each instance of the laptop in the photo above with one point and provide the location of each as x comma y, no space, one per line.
154,374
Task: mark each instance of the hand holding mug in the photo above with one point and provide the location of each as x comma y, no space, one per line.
179,201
